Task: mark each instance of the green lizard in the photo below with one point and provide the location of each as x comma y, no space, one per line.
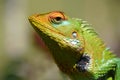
76,48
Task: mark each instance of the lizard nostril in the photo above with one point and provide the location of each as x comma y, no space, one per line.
37,15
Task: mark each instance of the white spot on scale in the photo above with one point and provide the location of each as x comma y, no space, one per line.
72,41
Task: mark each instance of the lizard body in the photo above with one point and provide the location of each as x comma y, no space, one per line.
76,48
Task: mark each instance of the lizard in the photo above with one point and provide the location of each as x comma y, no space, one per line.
77,49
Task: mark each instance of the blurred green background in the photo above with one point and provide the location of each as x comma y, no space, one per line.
22,54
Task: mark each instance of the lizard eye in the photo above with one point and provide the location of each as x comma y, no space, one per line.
74,34
57,20
56,17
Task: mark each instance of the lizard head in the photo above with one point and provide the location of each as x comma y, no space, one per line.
62,35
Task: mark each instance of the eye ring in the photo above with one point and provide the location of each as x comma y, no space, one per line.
56,17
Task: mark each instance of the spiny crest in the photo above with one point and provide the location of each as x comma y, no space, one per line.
94,44
85,26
